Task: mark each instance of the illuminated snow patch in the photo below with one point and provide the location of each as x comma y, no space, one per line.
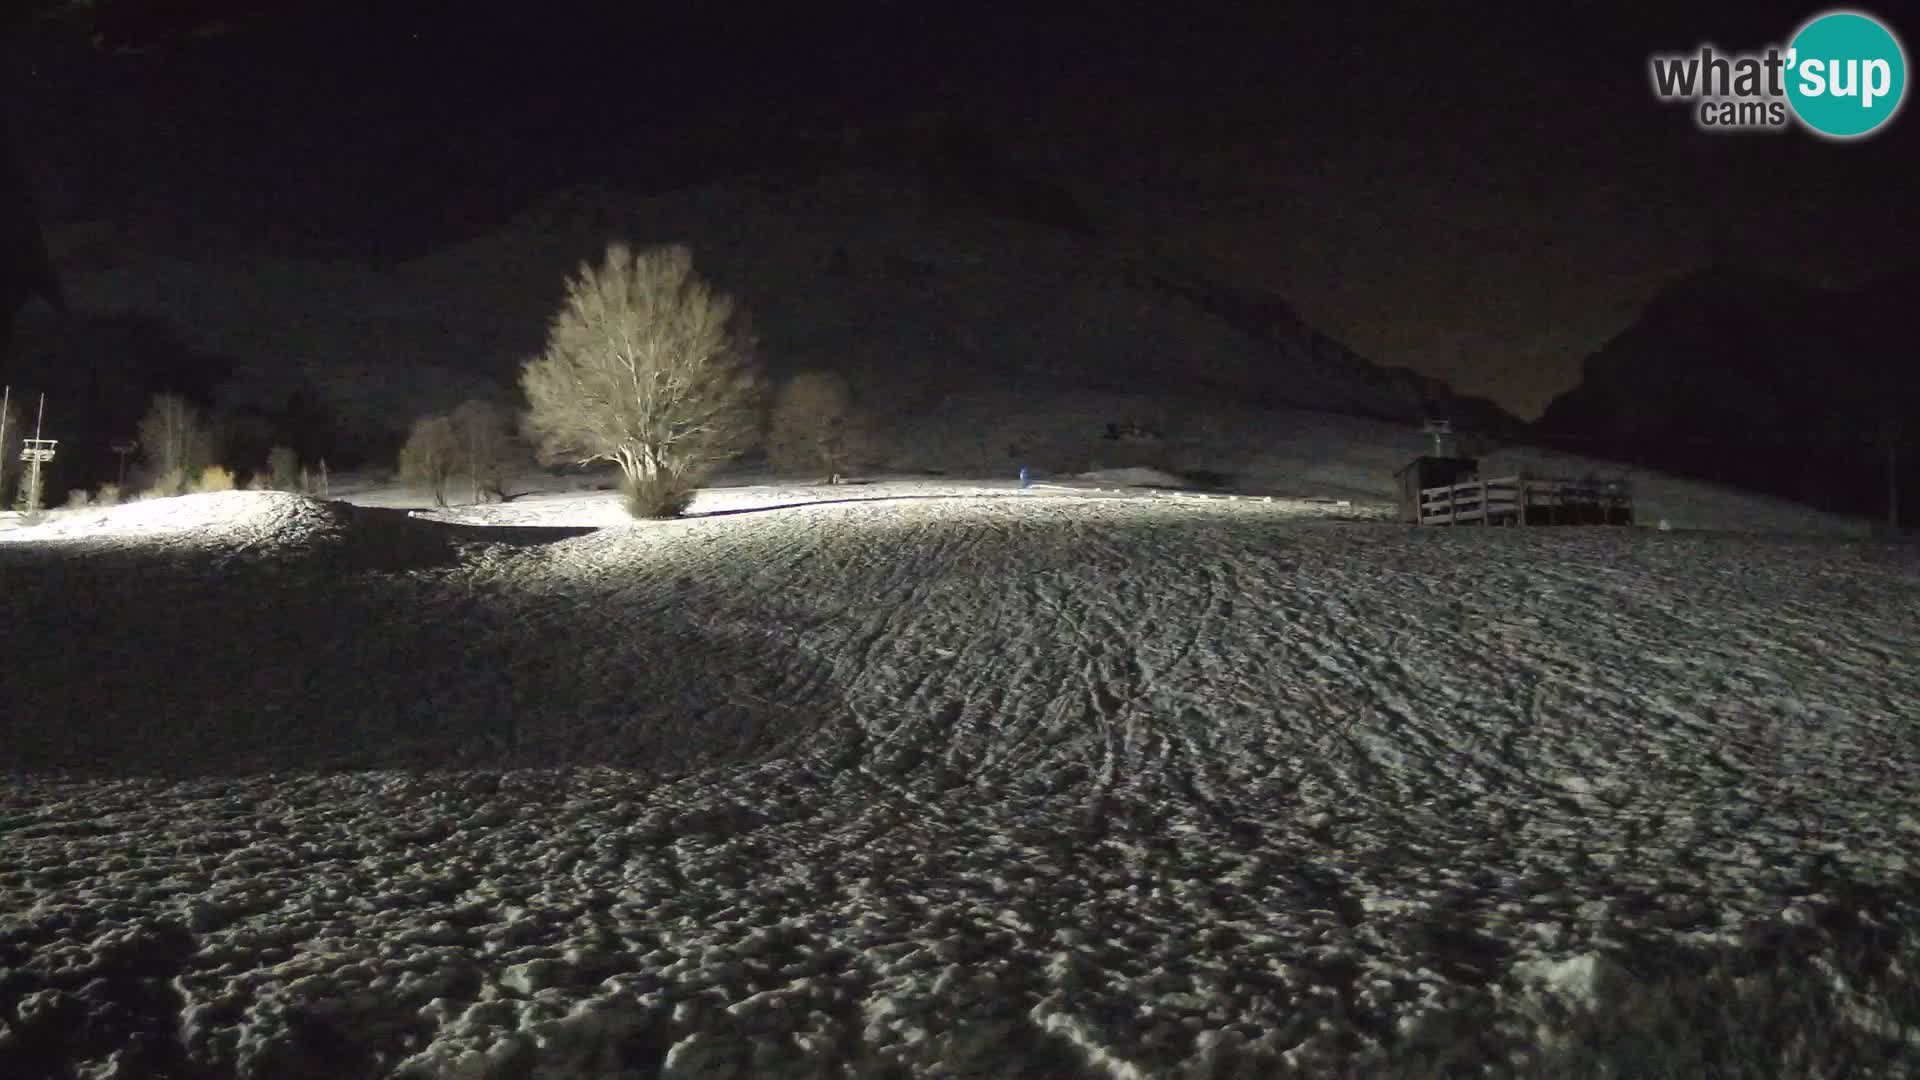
983,782
212,513
1584,979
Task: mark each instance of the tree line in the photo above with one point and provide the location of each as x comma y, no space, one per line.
646,367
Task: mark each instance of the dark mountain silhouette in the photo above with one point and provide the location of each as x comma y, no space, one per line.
1760,382
893,239
1373,390
878,255
915,260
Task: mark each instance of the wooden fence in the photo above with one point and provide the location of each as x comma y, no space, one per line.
1524,499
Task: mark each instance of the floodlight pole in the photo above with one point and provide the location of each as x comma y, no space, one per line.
39,421
6,400
33,488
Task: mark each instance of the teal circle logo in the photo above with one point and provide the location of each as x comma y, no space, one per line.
1846,74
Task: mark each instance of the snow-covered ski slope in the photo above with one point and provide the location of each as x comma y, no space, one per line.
948,782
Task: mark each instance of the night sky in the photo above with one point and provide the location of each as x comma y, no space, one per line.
1485,197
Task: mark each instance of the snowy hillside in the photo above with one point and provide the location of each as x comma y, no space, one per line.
1284,452
923,780
855,271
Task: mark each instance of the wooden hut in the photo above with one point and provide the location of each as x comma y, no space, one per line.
1430,471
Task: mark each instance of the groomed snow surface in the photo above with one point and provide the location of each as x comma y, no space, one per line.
916,780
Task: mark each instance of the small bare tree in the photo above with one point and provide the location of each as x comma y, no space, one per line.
214,478
646,367
816,426
486,448
176,443
283,468
429,458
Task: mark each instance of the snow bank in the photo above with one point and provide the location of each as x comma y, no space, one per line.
220,515
1000,783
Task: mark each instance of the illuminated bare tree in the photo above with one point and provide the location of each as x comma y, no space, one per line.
176,443
283,469
815,426
430,456
646,367
486,448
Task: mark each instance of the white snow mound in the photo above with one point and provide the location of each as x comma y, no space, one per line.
215,514
894,780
